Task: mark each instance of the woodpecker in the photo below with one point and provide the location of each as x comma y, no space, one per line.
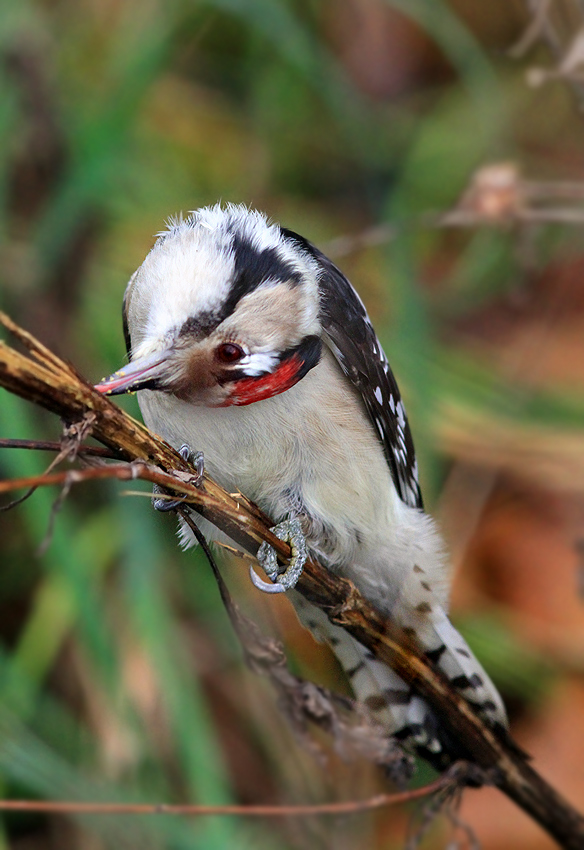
249,344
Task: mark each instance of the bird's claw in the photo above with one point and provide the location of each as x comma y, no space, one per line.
290,531
198,461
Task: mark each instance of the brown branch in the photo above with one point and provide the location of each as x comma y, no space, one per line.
119,471
42,378
343,808
53,446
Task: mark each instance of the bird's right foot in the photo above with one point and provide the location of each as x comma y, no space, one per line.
160,500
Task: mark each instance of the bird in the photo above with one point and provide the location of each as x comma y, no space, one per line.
248,344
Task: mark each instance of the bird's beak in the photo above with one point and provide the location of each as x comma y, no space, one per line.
137,375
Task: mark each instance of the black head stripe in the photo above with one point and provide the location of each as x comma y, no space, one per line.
202,325
254,267
127,338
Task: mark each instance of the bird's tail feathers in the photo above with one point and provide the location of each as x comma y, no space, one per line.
394,703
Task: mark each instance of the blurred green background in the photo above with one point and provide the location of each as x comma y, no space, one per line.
120,678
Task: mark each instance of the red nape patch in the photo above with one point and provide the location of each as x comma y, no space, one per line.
249,390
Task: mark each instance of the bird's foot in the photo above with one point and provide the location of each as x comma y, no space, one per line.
291,532
162,503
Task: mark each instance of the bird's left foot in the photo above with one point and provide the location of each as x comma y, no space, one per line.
290,531
198,461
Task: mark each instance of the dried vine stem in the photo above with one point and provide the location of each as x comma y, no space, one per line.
559,24
42,378
74,807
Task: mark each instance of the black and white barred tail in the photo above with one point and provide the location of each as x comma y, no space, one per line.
406,715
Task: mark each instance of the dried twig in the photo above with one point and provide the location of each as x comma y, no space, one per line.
498,195
444,783
54,446
559,24
42,378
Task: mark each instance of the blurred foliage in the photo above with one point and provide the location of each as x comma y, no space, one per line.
120,678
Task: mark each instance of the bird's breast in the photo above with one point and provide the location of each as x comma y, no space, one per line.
310,449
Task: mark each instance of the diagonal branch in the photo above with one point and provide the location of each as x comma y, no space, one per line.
42,378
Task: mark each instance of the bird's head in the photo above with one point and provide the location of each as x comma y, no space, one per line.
224,310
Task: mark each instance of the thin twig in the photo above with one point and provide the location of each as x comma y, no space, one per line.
54,446
16,502
263,811
535,29
562,42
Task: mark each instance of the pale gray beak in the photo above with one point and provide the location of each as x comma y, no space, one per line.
137,375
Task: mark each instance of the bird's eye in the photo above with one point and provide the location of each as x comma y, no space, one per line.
229,352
